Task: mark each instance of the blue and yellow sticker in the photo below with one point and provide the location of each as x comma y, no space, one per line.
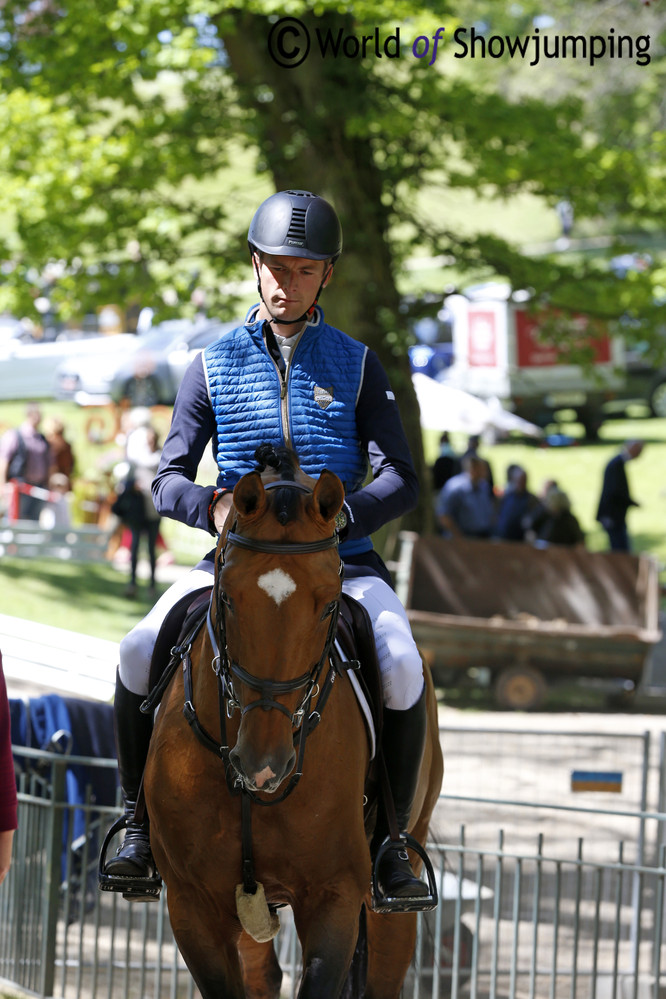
597,780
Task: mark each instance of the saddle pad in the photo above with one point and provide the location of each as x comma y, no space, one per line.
355,640
364,705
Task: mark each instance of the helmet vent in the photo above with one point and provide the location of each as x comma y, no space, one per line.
296,231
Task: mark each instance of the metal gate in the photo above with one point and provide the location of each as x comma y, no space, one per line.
553,917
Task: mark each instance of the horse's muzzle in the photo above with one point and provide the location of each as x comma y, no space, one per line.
261,775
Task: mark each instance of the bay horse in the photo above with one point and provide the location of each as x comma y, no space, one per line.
259,679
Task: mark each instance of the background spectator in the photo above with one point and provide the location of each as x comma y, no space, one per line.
466,505
447,464
55,512
473,444
516,507
62,455
615,498
134,504
553,522
25,458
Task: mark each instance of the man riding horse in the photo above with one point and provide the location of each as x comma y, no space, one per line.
287,377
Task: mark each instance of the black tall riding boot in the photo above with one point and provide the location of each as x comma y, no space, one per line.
133,730
403,739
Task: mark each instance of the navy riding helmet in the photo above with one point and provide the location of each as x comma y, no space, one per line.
296,224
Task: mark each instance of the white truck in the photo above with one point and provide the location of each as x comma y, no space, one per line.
502,349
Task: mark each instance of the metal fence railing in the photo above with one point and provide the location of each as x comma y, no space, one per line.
544,925
565,907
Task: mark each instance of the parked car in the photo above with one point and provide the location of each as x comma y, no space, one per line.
147,372
152,375
28,370
429,322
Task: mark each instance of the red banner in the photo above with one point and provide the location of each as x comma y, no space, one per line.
533,350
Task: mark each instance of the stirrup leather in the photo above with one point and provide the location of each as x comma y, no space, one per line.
415,903
134,889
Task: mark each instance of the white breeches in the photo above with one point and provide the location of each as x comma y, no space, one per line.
399,659
400,662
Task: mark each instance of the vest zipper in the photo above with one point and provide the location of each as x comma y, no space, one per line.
282,369
284,402
284,409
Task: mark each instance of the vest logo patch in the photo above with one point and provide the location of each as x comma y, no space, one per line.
323,396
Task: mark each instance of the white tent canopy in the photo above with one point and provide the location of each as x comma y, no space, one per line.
444,407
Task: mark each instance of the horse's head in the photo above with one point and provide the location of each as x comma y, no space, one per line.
277,591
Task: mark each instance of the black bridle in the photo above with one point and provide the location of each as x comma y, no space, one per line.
226,669
267,688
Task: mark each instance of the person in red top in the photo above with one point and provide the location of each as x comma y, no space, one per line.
62,455
8,797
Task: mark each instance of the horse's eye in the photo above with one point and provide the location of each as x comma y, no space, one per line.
227,601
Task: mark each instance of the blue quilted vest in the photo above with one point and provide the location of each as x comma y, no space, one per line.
315,413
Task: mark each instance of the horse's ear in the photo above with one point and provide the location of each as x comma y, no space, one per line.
329,495
250,495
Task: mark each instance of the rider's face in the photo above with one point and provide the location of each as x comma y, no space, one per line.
290,285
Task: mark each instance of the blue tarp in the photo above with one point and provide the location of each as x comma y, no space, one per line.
82,728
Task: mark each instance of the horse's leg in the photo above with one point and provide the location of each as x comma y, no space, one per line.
391,940
327,928
392,936
215,970
261,970
208,945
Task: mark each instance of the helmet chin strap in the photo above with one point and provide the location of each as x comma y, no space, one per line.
291,322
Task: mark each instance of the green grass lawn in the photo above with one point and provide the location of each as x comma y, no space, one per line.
89,598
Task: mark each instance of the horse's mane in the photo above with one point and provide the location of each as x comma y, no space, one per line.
283,501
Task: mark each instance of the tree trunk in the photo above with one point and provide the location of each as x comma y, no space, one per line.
303,124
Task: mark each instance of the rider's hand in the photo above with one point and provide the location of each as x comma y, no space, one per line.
222,508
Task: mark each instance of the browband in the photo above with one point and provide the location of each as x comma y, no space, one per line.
281,547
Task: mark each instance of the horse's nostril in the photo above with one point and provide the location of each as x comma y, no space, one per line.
263,777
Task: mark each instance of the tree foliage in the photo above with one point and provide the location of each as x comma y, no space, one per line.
137,137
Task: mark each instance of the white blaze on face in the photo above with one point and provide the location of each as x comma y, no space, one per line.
278,584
